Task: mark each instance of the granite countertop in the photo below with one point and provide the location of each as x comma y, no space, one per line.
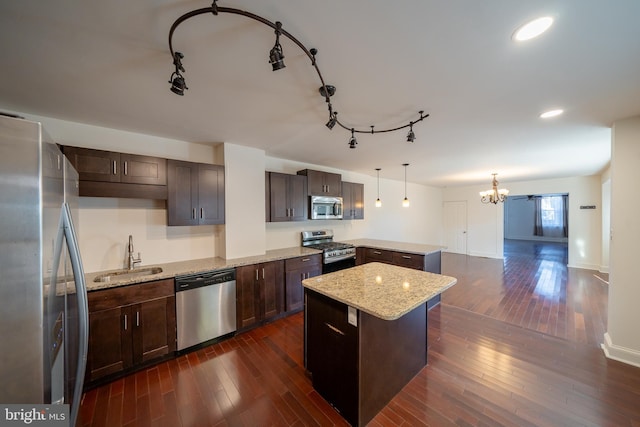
173,269
414,248
382,290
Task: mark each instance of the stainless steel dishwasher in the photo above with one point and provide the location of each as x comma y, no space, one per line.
205,306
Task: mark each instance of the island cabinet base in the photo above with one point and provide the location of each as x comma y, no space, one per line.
359,369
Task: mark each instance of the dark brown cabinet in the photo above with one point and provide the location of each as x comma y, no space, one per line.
287,197
110,174
358,366
130,326
321,183
195,193
259,293
296,270
352,200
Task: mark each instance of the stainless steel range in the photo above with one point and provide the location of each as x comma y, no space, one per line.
335,255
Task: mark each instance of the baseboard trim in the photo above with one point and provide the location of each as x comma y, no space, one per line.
621,354
485,255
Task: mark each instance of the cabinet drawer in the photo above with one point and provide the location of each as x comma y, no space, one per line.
126,295
378,255
302,262
408,260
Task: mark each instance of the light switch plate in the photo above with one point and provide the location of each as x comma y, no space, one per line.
352,316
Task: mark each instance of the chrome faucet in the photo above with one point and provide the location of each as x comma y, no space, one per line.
132,261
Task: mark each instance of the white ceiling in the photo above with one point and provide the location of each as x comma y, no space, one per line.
108,64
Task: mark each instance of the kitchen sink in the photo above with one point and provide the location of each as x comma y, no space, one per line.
127,274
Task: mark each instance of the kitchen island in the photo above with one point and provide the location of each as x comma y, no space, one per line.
366,334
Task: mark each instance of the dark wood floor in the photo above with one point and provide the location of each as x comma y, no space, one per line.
514,343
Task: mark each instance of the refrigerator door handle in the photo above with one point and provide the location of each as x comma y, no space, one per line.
66,225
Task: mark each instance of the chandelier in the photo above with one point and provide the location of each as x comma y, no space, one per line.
494,195
276,59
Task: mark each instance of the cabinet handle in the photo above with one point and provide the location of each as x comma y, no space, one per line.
334,329
288,214
137,318
125,322
377,252
293,211
115,167
193,213
305,259
262,273
126,169
256,274
406,257
201,213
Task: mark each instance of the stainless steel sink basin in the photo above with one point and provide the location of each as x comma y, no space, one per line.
127,274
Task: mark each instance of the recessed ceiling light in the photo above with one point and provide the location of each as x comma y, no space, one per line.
533,29
551,113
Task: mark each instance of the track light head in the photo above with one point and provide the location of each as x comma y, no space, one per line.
332,120
411,136
331,90
276,57
353,141
178,86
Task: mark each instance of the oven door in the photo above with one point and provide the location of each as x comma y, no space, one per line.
338,265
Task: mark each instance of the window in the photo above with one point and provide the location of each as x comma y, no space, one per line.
552,211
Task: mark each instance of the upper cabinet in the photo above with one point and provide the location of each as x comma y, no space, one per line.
195,193
322,183
353,200
286,197
110,174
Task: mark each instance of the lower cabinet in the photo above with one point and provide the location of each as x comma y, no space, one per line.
259,293
298,269
130,326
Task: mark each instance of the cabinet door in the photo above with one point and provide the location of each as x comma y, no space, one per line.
279,190
315,182
333,184
347,201
298,269
247,299
357,200
210,194
94,165
109,342
182,197
154,329
271,289
143,169
298,198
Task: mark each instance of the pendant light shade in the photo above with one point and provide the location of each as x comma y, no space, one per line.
405,202
378,201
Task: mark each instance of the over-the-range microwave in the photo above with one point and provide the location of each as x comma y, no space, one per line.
325,207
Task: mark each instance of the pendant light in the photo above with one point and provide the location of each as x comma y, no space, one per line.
378,201
405,202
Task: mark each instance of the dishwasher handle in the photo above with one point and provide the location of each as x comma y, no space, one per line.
198,280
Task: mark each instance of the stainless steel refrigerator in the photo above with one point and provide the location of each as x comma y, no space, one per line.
43,298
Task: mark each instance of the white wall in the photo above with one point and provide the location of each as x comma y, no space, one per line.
622,340
606,220
486,231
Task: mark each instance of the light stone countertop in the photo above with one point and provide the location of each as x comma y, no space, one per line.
382,290
173,269
414,248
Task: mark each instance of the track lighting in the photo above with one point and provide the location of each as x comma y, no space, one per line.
411,136
353,141
405,202
276,56
276,59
